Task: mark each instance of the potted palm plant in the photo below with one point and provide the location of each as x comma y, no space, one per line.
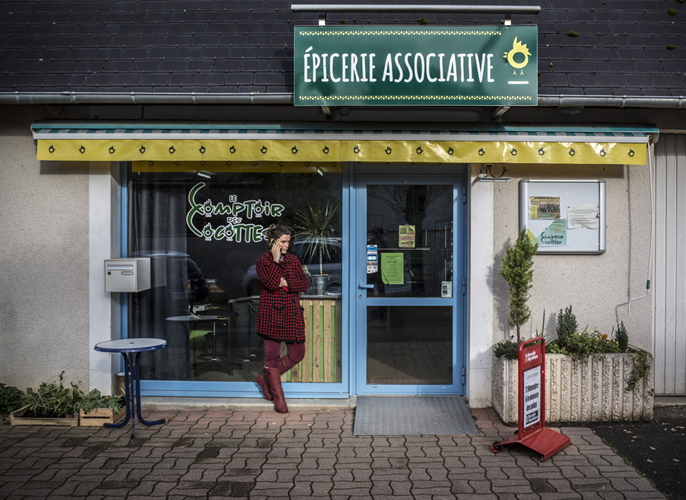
315,225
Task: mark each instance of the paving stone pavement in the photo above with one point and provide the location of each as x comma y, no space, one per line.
305,454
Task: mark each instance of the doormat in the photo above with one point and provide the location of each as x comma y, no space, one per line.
404,416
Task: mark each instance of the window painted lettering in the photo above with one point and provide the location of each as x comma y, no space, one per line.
235,229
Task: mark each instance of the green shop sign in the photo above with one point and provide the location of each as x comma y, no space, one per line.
425,66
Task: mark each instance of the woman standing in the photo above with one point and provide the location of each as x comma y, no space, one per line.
279,314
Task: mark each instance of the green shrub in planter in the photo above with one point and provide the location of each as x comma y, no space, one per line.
621,336
506,348
53,400
566,324
95,399
583,343
11,399
519,274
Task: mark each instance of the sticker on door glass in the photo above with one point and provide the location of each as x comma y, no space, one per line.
372,259
392,265
406,236
447,289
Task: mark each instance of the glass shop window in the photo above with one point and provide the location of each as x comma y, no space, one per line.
203,231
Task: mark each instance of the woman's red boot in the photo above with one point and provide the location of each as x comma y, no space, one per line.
274,379
282,366
262,381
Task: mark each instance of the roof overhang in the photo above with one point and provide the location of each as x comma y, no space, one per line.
178,142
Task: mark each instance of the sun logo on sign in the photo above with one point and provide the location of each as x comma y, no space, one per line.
518,48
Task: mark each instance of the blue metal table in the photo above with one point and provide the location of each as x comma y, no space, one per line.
131,349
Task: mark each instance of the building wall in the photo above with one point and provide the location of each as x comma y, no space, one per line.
598,287
670,265
44,287
58,224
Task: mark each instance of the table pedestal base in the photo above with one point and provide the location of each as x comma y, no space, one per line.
132,394
214,360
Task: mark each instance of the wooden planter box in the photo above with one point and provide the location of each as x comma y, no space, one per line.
17,418
587,390
99,416
322,361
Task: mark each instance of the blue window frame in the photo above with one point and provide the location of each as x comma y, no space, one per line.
139,192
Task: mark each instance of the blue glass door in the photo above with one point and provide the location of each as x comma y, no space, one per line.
410,287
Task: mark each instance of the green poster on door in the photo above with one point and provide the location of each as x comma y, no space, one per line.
392,265
419,65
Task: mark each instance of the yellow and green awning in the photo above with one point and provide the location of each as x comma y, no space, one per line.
230,144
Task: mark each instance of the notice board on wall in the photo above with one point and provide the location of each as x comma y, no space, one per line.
564,216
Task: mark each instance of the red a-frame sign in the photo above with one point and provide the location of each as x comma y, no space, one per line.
531,431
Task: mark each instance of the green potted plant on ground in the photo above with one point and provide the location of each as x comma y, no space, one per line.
315,227
96,409
11,399
51,404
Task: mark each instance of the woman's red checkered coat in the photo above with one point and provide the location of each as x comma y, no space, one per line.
279,314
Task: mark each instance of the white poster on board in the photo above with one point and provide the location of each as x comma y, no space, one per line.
583,216
532,396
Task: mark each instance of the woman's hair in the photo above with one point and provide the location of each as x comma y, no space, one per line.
276,231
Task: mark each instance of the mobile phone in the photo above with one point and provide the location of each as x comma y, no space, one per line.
272,243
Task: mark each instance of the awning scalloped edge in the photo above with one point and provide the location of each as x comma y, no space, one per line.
421,151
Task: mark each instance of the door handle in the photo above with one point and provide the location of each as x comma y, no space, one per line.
364,286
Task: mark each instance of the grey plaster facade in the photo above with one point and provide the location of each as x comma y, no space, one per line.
598,287
44,281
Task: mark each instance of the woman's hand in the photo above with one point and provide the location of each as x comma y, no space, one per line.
283,282
276,252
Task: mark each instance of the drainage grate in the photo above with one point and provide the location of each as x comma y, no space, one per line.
403,416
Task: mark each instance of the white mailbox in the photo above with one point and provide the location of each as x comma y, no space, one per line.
127,275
